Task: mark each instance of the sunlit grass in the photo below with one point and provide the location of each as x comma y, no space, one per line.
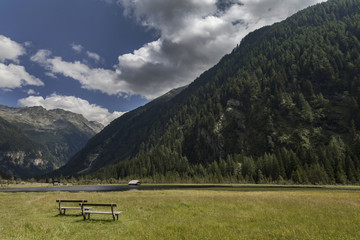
187,214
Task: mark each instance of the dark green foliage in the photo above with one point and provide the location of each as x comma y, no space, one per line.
283,106
13,139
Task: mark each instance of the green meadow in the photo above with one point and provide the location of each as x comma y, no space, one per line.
188,214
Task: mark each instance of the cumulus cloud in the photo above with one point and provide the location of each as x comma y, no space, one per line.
10,50
77,47
32,92
90,78
14,76
194,35
93,56
92,112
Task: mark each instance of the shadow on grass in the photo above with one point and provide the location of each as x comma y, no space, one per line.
68,216
96,221
78,218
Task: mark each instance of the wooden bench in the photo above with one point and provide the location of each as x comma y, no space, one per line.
63,208
86,211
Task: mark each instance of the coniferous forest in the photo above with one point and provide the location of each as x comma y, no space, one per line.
283,106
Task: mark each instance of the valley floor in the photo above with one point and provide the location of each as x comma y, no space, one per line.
188,214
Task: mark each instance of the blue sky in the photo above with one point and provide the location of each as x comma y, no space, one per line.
102,58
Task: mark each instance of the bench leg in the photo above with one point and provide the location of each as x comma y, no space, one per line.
60,206
64,211
88,215
117,216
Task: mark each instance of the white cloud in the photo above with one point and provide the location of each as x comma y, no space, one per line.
92,55
90,78
77,47
194,35
41,56
50,74
10,50
14,76
32,92
27,44
92,112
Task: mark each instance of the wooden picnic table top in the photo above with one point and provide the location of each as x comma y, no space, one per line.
99,204
67,200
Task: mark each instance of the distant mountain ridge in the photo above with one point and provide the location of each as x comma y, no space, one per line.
41,118
44,139
283,105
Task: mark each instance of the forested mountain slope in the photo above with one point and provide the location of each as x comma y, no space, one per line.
284,105
19,156
121,139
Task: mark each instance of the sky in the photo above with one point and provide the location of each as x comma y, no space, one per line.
102,58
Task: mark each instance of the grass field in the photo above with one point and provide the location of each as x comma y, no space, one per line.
187,214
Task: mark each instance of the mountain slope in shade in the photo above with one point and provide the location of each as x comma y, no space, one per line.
284,105
53,135
121,138
19,156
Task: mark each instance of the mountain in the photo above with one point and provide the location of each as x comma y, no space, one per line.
19,156
34,141
120,139
282,106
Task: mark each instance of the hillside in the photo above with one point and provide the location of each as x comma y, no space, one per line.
35,133
19,156
284,105
120,139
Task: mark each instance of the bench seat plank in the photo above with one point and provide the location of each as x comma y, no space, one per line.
102,212
70,208
62,209
76,208
68,200
88,212
99,204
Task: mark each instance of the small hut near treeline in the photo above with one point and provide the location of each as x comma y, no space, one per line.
134,182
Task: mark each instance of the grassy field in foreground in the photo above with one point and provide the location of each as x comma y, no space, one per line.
187,214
